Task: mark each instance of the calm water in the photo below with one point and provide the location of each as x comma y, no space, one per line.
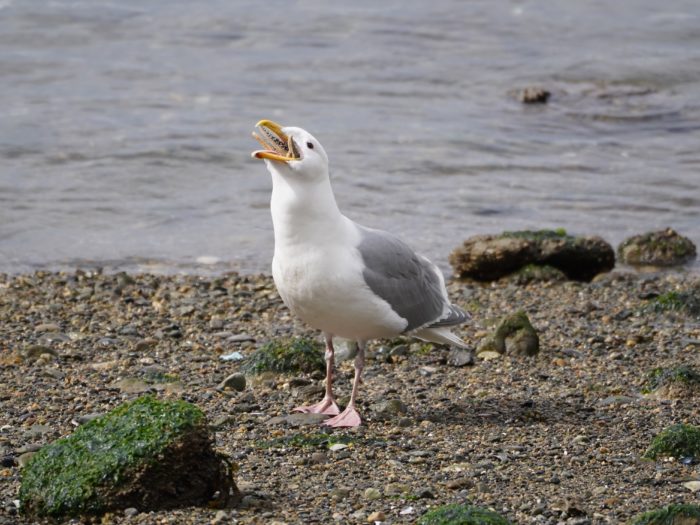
125,126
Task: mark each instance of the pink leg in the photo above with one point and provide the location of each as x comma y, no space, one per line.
327,404
349,417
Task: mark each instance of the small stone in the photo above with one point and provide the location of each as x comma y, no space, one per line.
340,493
376,516
425,493
692,486
337,447
131,385
534,95
396,489
36,431
391,407
372,494
47,327
459,358
23,459
130,512
233,382
220,517
318,458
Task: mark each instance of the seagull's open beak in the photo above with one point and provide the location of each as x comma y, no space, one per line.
278,146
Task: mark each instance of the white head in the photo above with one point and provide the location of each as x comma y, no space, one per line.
291,152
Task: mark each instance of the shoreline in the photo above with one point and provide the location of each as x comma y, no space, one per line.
555,438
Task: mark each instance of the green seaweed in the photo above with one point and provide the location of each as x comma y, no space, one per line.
684,374
686,301
63,478
457,514
670,515
286,356
677,441
539,235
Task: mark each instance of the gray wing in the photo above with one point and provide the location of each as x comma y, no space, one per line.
405,280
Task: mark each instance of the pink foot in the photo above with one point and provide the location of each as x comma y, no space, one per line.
325,406
348,418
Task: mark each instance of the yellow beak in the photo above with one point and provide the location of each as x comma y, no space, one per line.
278,146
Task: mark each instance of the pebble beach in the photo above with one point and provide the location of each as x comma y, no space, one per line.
555,438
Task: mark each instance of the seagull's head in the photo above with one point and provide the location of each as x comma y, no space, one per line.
290,151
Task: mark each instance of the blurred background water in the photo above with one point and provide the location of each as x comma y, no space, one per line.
125,126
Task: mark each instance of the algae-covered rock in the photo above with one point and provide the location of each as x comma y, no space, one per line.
671,515
286,356
147,454
514,335
535,273
680,382
683,301
661,248
677,441
490,257
461,515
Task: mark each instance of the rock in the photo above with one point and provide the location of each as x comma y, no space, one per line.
686,301
461,514
534,95
376,516
661,248
47,327
132,385
36,431
490,257
535,273
32,353
134,456
286,356
130,512
676,441
680,382
692,486
372,494
671,515
396,489
514,335
390,407
23,459
233,382
458,357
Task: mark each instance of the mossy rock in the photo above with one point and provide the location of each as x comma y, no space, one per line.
286,356
684,301
490,257
536,273
677,441
461,515
147,454
680,382
661,248
671,515
514,335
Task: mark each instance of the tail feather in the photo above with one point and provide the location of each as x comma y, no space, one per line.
439,334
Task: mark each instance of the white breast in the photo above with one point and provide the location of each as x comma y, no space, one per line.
324,287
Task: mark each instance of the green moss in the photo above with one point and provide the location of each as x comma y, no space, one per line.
288,356
513,323
538,235
677,441
63,478
671,515
461,515
684,374
687,302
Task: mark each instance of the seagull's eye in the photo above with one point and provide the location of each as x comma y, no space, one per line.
310,145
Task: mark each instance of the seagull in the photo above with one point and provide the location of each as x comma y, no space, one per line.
339,277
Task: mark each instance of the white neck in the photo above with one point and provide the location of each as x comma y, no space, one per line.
303,210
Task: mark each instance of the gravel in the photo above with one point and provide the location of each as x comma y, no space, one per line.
554,438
